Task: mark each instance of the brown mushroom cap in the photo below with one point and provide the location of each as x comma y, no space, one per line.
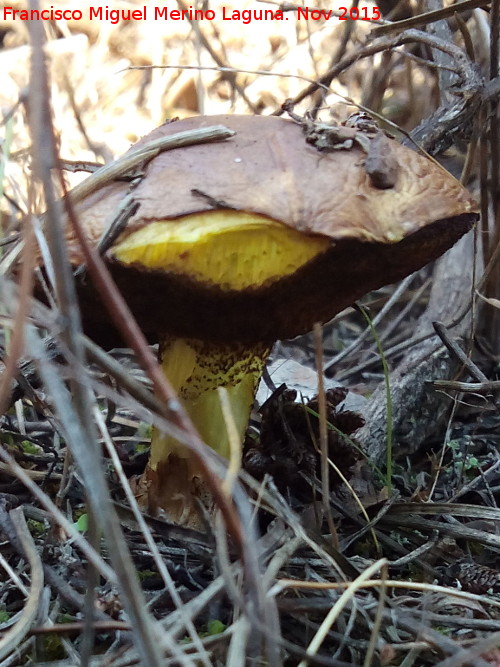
377,235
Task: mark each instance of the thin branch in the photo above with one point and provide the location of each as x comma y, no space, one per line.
429,17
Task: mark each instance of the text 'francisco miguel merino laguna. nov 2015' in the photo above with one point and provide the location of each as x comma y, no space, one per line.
164,13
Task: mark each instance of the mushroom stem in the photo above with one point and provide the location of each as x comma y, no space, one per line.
196,369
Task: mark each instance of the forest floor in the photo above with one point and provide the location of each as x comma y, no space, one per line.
400,567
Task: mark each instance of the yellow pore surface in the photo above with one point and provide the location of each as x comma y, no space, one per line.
230,249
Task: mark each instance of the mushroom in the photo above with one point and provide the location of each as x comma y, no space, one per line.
237,244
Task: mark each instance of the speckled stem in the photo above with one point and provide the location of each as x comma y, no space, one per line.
196,369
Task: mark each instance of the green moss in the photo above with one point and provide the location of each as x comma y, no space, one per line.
36,528
4,615
30,448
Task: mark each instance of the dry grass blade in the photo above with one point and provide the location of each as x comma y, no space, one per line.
338,606
59,518
455,509
323,435
389,583
456,531
13,637
162,569
127,163
75,410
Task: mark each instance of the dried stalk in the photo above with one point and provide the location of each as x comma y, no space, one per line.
12,638
75,407
417,409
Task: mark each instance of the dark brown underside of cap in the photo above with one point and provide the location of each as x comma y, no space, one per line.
165,304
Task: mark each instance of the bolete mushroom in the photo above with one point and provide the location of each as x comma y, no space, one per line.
240,243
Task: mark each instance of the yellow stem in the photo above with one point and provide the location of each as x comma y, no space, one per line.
196,369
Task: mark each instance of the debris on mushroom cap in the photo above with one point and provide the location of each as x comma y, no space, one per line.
268,168
267,173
